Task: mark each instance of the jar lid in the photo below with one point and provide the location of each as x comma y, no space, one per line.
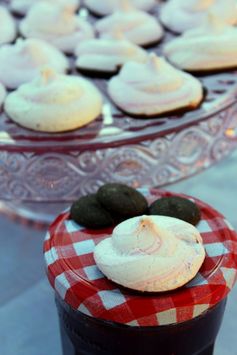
72,272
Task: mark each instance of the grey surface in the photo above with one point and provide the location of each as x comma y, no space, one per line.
28,319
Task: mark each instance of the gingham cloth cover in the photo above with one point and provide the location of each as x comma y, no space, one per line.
72,272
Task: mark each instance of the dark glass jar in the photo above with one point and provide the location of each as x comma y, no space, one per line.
85,335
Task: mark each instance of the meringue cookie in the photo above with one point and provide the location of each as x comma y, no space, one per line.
23,6
2,94
137,26
7,26
107,55
210,47
22,61
182,15
154,88
57,25
54,103
151,253
103,8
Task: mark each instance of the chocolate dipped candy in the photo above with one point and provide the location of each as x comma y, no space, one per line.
211,46
155,87
182,15
88,212
101,55
177,207
22,61
56,24
121,200
102,8
54,102
137,26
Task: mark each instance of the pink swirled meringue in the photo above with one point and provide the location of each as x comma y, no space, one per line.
154,88
54,103
182,15
58,25
23,6
211,46
21,62
7,26
107,55
103,8
151,253
137,26
2,94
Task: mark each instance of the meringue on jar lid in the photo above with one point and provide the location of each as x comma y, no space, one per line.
103,8
7,26
212,46
107,55
151,253
137,26
58,25
54,103
182,15
154,88
2,95
21,62
23,6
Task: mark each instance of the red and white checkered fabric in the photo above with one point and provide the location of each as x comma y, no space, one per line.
72,272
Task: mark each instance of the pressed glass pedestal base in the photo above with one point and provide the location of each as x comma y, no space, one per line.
38,185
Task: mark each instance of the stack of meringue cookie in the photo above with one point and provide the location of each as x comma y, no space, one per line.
151,239
50,49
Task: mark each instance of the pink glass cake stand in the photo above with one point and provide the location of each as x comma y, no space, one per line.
40,174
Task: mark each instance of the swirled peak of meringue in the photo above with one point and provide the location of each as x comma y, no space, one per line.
182,15
154,87
108,7
57,24
211,46
151,253
2,94
23,6
54,102
137,26
107,55
21,62
7,26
